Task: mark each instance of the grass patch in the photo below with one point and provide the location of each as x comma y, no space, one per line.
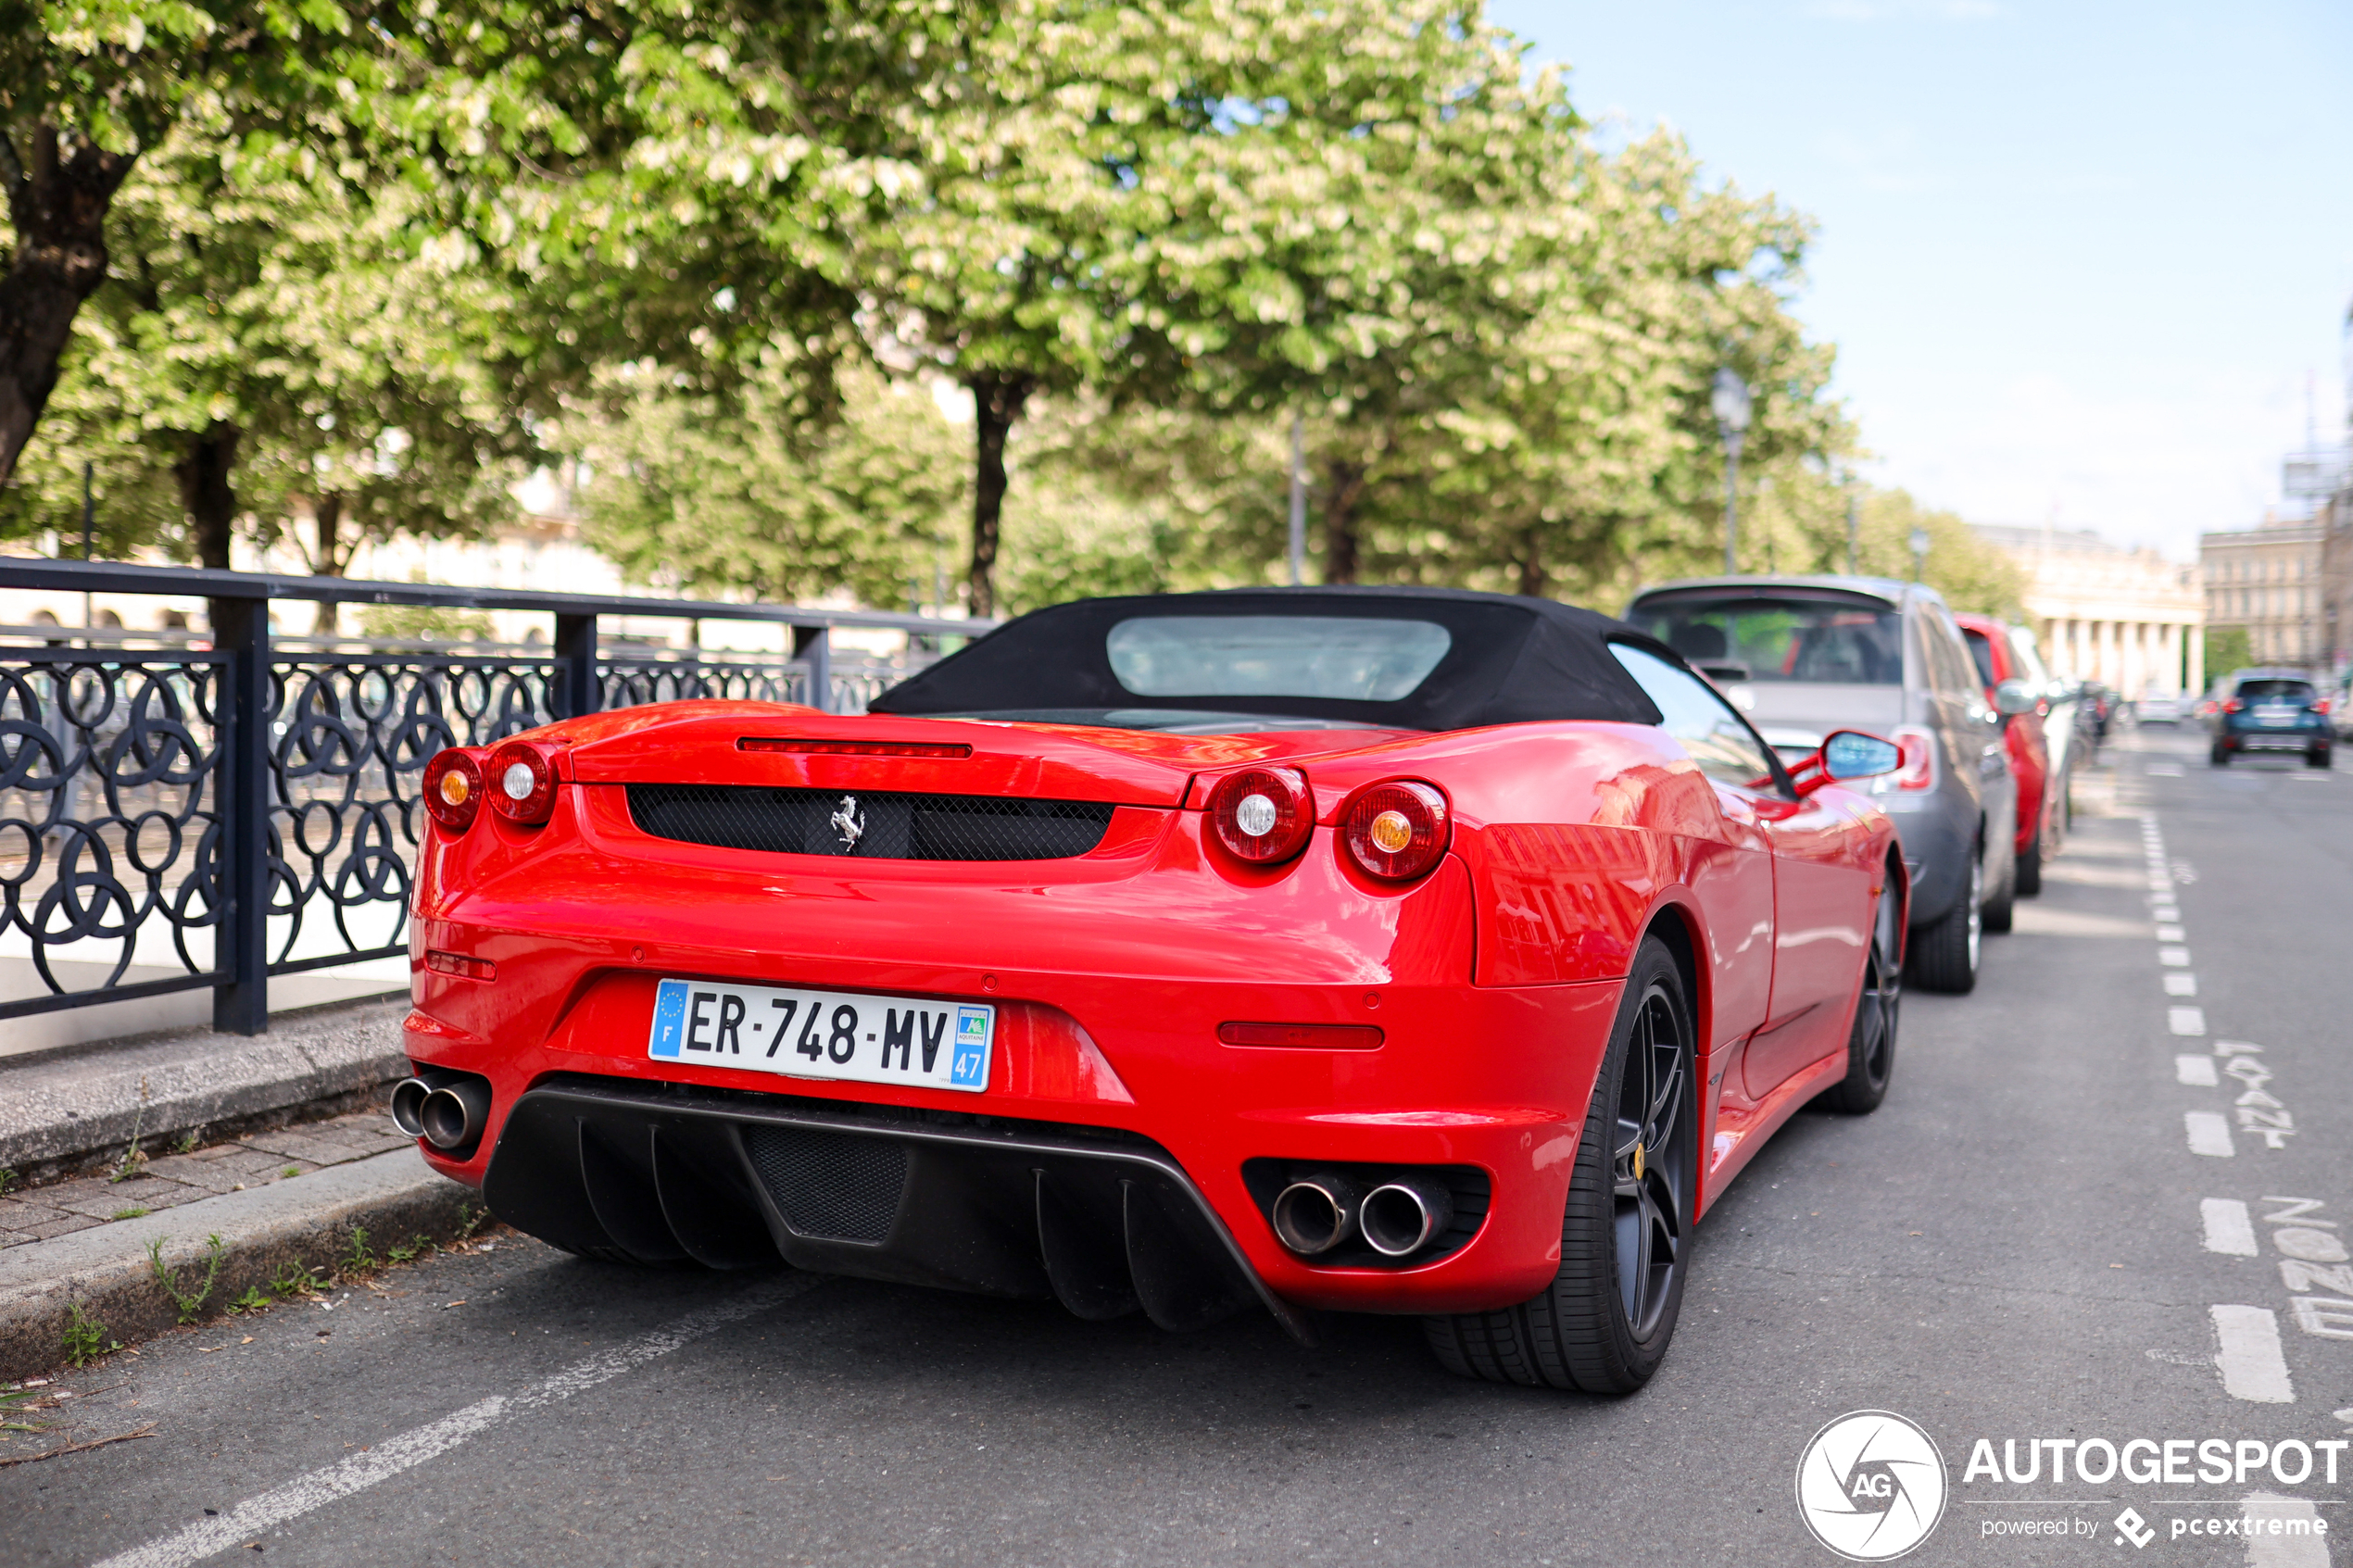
84,1339
133,1212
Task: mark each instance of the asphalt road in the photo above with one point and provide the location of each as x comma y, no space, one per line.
2015,1247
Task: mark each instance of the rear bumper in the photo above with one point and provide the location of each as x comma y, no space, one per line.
2253,737
1491,1079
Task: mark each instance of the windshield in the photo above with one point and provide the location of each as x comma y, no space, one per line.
1359,659
1750,638
2300,693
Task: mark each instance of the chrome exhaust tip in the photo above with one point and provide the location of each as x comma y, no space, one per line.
453,1115
1315,1213
409,1104
1406,1215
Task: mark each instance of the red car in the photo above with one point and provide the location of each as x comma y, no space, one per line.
1336,950
2005,654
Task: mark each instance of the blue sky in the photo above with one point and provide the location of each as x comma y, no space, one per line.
2079,258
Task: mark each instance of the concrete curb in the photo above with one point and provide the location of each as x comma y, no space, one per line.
394,1197
69,1105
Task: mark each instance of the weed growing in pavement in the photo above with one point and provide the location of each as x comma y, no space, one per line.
358,1259
291,1171
253,1300
7,1179
187,1144
188,1303
133,1212
85,1337
469,1219
295,1279
14,1401
420,1242
135,1159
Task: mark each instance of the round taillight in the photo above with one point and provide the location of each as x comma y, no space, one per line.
522,782
453,789
1262,815
1395,831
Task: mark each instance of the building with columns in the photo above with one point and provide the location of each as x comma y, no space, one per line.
2130,620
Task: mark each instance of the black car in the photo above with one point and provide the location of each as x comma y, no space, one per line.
2270,710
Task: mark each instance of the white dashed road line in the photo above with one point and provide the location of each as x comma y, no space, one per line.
2197,1071
2210,1133
307,1493
2253,1366
2186,1021
2307,1548
2229,1229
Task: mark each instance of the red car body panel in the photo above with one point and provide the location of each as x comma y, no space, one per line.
1495,979
2030,749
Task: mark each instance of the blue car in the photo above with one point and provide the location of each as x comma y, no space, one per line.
2270,710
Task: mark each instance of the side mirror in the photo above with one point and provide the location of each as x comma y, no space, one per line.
1846,754
2012,697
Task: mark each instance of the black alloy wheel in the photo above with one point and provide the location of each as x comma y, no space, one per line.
2317,756
1649,1168
1870,1044
2220,755
1603,1325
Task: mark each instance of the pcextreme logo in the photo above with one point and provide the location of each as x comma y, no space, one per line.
1871,1485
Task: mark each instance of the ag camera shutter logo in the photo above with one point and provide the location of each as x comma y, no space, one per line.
1871,1485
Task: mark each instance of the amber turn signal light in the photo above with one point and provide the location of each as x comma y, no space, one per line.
1395,831
453,789
1262,815
522,781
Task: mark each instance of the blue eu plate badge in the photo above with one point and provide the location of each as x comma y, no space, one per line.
670,1019
971,1070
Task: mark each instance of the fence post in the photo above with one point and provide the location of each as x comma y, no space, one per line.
241,630
810,644
578,691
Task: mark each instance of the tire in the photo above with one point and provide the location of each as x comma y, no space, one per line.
1870,1042
2219,754
1943,956
1604,1323
2029,870
2316,757
1999,909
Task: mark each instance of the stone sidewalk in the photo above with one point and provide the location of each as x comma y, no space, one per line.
170,1180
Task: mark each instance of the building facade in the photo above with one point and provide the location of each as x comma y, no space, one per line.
2130,620
2288,584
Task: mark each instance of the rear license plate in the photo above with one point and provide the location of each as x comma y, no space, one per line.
2275,717
910,1040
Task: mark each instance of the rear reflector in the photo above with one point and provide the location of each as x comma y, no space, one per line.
1303,1036
461,965
852,747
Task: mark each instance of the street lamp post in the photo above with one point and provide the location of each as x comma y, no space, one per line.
1919,553
1730,400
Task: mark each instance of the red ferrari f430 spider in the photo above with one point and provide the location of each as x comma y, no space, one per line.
1378,950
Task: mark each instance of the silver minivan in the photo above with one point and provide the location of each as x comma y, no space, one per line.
1804,655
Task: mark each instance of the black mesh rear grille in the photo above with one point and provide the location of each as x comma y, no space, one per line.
831,1186
887,827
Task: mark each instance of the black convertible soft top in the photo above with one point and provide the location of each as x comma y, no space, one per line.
1508,660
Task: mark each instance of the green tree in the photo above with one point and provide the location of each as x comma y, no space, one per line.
268,351
745,495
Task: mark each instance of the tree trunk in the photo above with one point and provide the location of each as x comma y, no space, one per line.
1531,567
58,207
1343,493
998,397
205,492
327,559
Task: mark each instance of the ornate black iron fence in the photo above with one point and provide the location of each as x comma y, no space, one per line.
181,811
